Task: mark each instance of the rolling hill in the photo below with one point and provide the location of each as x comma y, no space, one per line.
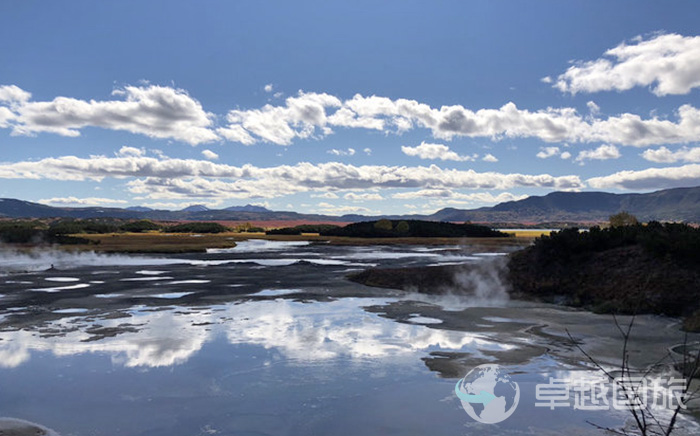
679,204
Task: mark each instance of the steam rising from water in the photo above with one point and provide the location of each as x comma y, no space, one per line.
479,284
42,260
15,261
485,281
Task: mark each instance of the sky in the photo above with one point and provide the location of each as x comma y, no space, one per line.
390,107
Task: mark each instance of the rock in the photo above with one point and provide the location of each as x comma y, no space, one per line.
20,427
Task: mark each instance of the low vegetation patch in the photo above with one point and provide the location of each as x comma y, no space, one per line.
197,227
304,228
385,228
140,226
636,268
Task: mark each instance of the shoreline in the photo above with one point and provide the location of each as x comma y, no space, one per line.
178,243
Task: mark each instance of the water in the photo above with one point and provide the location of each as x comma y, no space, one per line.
261,340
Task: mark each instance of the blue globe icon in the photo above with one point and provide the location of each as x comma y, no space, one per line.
487,393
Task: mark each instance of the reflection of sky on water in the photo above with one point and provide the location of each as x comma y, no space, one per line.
297,331
268,253
258,245
259,363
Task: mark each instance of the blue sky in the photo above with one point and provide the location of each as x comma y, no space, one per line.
344,107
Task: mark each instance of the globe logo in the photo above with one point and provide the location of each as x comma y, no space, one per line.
488,394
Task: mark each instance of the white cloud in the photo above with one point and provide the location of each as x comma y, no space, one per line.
664,155
651,178
546,79
435,151
604,152
565,155
547,152
314,115
362,197
302,116
488,157
269,87
669,63
336,152
130,151
481,197
169,113
593,108
6,116
368,151
328,195
90,201
210,155
155,111
187,178
13,94
332,209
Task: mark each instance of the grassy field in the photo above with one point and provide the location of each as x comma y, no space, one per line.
527,233
184,242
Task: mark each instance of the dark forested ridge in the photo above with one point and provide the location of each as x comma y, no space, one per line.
385,228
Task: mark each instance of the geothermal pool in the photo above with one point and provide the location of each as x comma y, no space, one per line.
269,338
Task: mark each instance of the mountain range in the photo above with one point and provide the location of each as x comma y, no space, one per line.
678,204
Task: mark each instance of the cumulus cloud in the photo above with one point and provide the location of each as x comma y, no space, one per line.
435,151
481,197
547,152
333,209
336,152
161,178
90,201
368,151
604,152
13,94
651,178
593,108
169,113
488,157
315,115
269,87
210,155
6,116
154,111
130,151
302,116
664,155
328,195
362,197
669,63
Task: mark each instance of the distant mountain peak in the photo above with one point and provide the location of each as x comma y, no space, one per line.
195,208
139,209
247,208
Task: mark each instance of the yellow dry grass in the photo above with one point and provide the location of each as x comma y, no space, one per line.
185,242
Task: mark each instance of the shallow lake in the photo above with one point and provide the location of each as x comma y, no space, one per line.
270,338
